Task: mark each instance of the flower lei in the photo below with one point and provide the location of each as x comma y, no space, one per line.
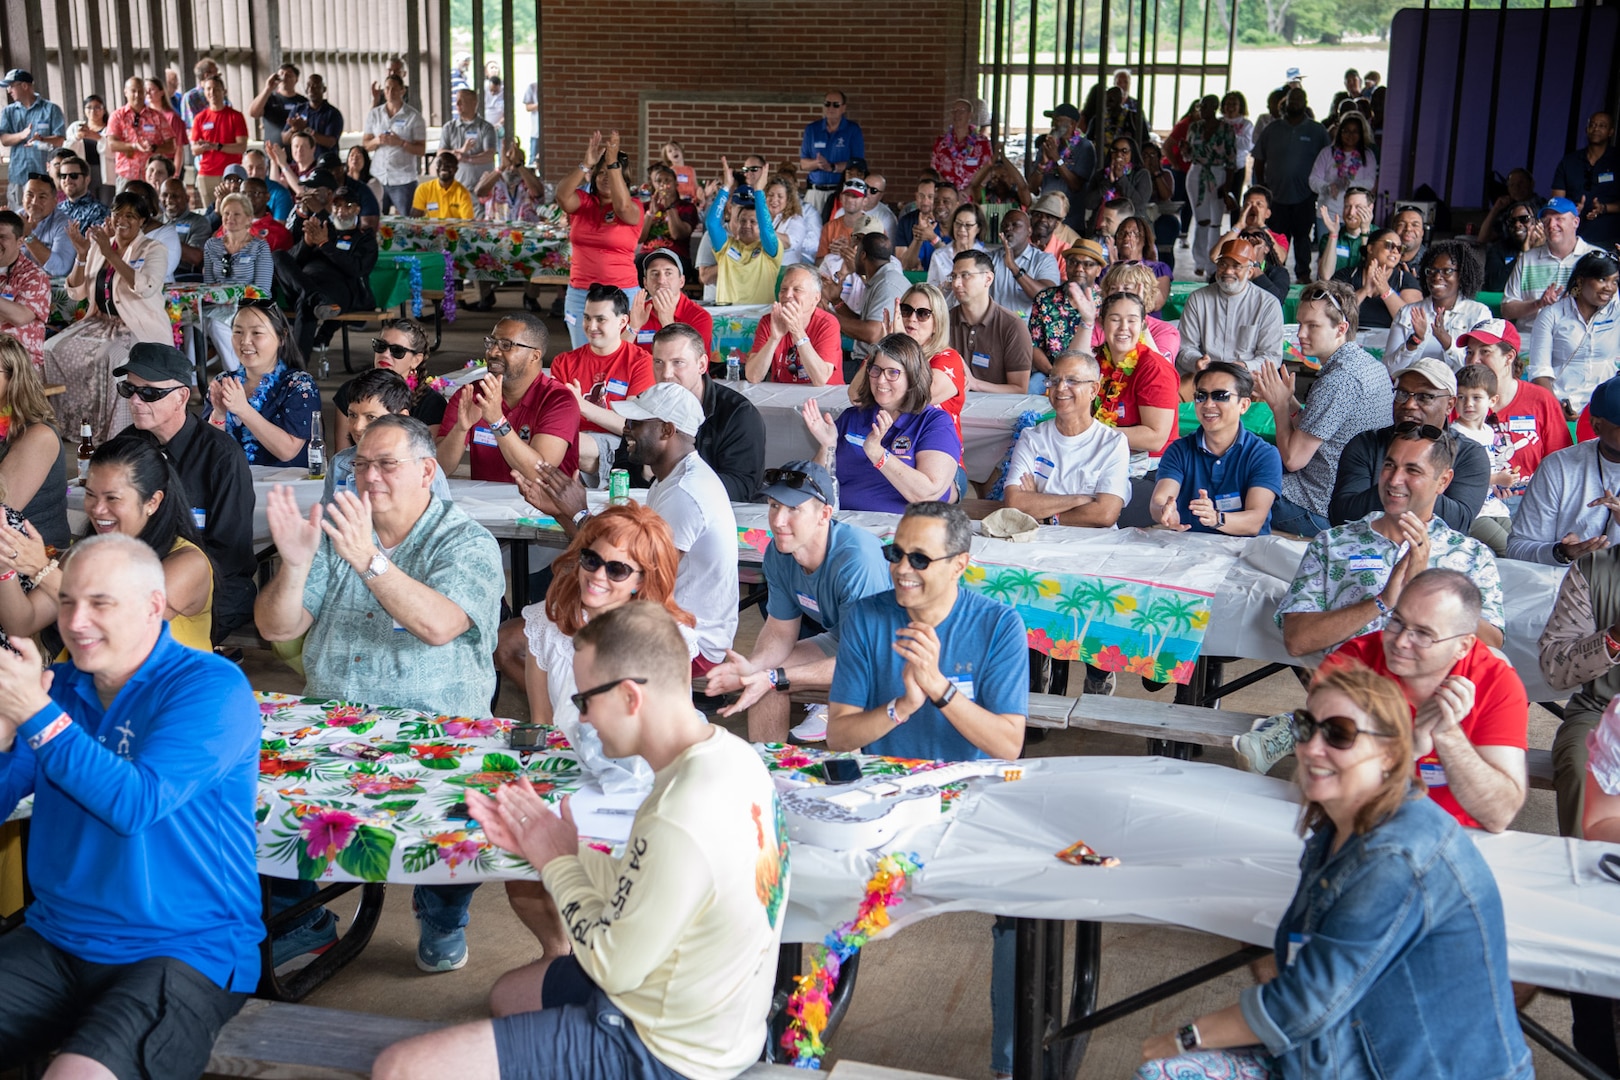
811,1004
1346,162
1115,379
267,386
1025,420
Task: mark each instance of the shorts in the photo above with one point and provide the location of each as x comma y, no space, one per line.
825,642
578,1034
152,1019
702,665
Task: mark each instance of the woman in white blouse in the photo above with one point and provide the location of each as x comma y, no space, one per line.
1576,341
795,222
1349,161
967,231
1451,273
1235,114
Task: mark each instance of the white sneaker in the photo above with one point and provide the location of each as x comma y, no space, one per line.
814,727
1268,742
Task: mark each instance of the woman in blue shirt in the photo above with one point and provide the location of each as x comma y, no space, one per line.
268,403
1223,477
891,448
1392,958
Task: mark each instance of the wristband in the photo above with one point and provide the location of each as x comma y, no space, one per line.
580,517
1387,294
502,429
44,572
894,717
49,732
1612,645
1383,609
8,575
802,342
882,460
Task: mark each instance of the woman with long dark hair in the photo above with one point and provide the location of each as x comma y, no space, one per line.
1348,161
268,403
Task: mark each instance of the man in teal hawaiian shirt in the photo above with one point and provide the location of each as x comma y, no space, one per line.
1352,575
398,603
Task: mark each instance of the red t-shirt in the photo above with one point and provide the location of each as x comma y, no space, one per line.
950,362
548,408
1500,717
1153,383
1536,415
623,373
271,231
824,338
602,248
686,311
217,126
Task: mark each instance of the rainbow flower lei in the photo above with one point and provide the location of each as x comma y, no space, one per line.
811,1003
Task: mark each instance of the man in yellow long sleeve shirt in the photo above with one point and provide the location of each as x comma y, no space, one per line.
675,940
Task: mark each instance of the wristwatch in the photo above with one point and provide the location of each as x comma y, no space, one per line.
779,680
502,429
1560,556
946,698
1187,1038
375,568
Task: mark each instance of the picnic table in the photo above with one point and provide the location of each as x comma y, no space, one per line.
482,250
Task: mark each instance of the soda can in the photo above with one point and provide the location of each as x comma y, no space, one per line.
619,487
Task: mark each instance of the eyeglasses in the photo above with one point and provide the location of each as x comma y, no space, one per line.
591,562
1340,732
147,394
398,352
1070,382
752,168
1439,271
832,104
1119,149
582,700
917,559
1395,626
909,312
495,344
875,190
796,480
1220,397
1424,398
386,466
1521,219
884,374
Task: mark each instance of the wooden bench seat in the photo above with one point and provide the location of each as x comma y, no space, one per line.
1159,720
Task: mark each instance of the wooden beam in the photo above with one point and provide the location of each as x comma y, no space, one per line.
97,66
413,55
476,74
24,28
265,34
157,53
125,26
67,58
186,16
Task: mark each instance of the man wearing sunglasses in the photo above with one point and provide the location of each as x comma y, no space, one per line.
77,202
390,587
1223,477
1514,236
816,568
1352,576
328,270
827,147
1425,397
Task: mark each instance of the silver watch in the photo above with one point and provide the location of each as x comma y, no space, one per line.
375,568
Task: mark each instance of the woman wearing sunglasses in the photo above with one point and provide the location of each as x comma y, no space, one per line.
234,257
1223,477
401,346
267,404
892,447
1383,287
921,314
1392,958
120,270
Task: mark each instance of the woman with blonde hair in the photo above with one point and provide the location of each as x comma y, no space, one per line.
33,460
234,257
922,315
1141,281
791,218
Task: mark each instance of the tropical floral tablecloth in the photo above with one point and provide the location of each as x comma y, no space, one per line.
182,302
351,792
482,250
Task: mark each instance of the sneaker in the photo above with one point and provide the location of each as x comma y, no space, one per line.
1102,687
1271,740
814,728
316,938
441,952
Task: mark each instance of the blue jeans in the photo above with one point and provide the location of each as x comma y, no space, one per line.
442,908
1292,518
574,314
399,196
1003,989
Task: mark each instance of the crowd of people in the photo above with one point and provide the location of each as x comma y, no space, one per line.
1469,437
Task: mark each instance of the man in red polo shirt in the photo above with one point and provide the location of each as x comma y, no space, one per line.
516,416
606,368
798,341
661,302
1470,715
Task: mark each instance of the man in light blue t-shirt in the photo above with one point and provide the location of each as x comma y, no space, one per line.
815,569
931,670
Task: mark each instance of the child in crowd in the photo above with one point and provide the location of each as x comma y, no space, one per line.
373,393
1476,420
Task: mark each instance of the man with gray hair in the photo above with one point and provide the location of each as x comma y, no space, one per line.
1232,319
395,592
141,942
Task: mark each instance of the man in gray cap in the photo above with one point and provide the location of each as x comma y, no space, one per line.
158,381
30,127
815,568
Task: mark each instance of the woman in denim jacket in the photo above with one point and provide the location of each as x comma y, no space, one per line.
1392,959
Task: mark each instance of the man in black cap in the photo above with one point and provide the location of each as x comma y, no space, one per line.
1064,160
30,128
158,382
327,271
815,567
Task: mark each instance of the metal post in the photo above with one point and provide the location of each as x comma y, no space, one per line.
1029,1027
1203,59
538,164
1496,85
476,75
1029,85
508,64
413,60
1456,103
1409,165
996,126
1069,32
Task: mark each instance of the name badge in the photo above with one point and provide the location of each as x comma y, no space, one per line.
343,245
644,337
398,627
981,359
482,436
1521,424
45,129
1296,942
971,162
618,386
7,296
148,129
1341,250
208,125
432,206
183,230
1228,503
819,145
1605,177
808,603
1432,773
136,264
854,439
1359,563
733,254
964,686
199,517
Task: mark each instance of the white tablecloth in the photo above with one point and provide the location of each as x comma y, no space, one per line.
987,422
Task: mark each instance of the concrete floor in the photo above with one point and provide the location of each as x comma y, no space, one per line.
922,1001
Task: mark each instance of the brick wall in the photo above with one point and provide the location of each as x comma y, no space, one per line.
744,76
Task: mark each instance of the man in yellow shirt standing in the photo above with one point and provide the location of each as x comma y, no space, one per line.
444,197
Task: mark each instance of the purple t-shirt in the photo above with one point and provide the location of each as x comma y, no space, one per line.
860,486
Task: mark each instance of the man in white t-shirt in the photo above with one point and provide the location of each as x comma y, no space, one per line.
675,939
660,432
1071,470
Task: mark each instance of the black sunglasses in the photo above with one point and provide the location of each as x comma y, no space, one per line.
1521,219
917,559
1424,431
909,312
752,168
147,394
832,104
398,352
71,175
1316,294
796,480
1340,732
1220,396
582,700
591,562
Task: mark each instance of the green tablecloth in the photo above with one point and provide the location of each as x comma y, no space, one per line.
391,278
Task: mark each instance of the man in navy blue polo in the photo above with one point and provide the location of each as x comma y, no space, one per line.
828,146
1223,477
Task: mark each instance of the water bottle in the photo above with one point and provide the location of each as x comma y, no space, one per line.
733,365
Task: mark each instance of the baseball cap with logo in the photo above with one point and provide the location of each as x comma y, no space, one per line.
669,402
855,184
17,75
1493,332
1559,206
